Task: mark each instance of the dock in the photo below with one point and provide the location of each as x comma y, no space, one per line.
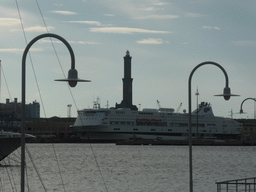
181,142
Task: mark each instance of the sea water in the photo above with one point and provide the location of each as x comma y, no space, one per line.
127,168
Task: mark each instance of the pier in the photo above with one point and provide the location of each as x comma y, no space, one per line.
247,185
209,142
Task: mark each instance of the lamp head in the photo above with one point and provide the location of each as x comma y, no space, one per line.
226,93
73,78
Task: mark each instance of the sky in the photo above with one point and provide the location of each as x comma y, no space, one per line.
166,39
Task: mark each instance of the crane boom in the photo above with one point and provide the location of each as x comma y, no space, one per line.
178,109
158,103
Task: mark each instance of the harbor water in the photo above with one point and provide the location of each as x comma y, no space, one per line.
127,168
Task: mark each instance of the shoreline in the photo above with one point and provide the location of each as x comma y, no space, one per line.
195,142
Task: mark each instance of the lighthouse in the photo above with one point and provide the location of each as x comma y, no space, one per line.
127,84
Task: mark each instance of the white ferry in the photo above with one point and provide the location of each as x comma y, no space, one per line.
126,121
163,123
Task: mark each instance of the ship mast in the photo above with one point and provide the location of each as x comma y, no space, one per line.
197,94
0,79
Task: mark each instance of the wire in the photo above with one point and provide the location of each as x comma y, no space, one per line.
9,177
27,179
72,98
56,54
58,167
6,82
30,156
30,57
12,176
68,87
98,167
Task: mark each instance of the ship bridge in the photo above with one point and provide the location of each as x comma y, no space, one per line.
204,109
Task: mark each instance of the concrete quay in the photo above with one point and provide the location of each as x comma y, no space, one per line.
209,142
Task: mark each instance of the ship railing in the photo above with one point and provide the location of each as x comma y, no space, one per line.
238,185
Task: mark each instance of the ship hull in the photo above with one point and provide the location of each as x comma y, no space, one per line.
110,133
8,145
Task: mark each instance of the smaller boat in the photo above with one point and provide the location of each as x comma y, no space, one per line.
10,141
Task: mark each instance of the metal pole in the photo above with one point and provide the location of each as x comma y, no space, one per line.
23,95
190,139
189,123
0,79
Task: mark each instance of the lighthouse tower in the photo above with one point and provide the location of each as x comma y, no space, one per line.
127,85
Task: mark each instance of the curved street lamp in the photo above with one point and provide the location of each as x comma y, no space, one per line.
72,80
226,94
241,110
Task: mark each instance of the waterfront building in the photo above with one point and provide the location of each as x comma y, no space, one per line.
13,109
50,128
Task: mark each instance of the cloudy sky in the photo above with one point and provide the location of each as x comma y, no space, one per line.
166,40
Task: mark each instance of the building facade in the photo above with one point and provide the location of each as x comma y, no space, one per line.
14,109
50,128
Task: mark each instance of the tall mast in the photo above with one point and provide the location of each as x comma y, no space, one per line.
0,79
197,94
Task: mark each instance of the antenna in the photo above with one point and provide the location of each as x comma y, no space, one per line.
197,93
231,114
96,104
107,105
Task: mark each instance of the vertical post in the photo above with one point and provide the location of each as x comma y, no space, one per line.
23,116
218,187
190,138
245,186
254,184
0,79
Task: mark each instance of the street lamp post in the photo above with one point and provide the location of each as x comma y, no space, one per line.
241,110
72,80
226,94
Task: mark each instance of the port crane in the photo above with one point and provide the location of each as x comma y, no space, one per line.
178,109
158,103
